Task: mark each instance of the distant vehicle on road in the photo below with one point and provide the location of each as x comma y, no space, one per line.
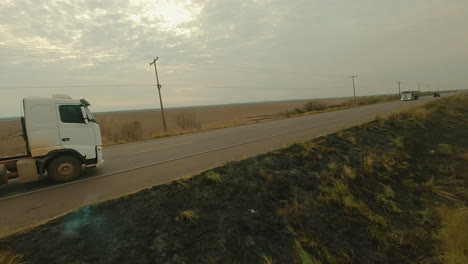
436,95
409,95
61,137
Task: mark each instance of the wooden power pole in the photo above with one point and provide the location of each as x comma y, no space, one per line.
399,87
159,90
354,88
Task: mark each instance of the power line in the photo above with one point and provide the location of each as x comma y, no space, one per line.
202,66
144,85
224,86
72,86
252,69
207,66
40,53
44,52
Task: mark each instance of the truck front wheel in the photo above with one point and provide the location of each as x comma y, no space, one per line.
63,169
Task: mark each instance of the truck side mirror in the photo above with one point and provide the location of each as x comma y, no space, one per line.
85,115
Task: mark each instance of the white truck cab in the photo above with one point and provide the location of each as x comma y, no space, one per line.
409,95
61,136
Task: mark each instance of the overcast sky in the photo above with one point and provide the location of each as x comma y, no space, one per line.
227,51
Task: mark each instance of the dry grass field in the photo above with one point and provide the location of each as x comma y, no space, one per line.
388,191
124,127
121,127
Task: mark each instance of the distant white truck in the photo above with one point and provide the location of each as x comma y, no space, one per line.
409,95
61,135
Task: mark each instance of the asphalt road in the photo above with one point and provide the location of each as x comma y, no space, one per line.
132,167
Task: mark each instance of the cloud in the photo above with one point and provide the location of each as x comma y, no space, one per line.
307,46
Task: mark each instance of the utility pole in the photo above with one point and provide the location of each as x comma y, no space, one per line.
159,90
419,87
399,87
354,88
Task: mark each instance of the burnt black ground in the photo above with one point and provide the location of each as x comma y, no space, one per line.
266,206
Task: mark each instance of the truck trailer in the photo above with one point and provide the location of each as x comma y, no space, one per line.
61,136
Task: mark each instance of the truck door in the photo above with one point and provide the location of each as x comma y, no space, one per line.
75,132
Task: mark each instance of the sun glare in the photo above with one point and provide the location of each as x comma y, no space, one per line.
171,14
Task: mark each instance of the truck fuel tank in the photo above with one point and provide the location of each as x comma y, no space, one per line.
27,170
3,176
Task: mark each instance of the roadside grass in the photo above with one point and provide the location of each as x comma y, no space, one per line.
341,189
388,191
132,131
367,162
266,175
5,232
390,161
349,172
313,107
187,216
445,149
301,112
159,135
398,141
302,257
440,190
212,176
188,122
8,256
337,193
453,235
367,100
267,260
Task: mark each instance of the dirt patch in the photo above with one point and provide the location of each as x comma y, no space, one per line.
368,194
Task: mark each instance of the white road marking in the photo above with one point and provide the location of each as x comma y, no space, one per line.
282,125
159,140
154,149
